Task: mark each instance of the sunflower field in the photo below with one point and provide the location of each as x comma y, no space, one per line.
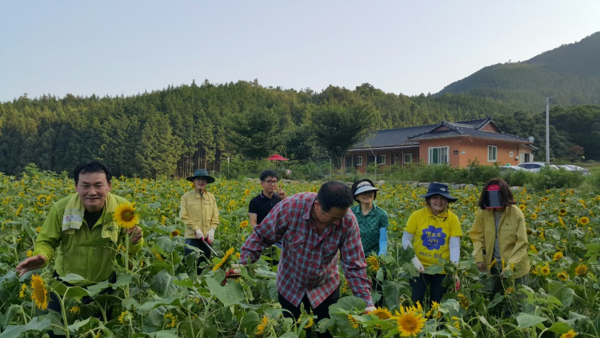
157,292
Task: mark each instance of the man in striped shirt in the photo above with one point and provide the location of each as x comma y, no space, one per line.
313,228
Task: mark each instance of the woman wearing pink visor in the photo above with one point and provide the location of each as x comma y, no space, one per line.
499,237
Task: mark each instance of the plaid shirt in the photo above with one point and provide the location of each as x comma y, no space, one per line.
308,263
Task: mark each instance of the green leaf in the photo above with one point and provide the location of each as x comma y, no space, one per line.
147,306
163,285
250,321
230,294
72,278
434,269
165,334
17,330
559,327
525,320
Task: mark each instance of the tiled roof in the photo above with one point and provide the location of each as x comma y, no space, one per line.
411,136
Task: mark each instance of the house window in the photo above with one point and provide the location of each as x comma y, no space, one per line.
438,155
358,160
408,158
492,153
370,159
381,159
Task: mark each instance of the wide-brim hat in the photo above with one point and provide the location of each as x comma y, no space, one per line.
201,173
439,189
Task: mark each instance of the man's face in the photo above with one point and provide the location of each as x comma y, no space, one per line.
200,183
92,189
333,216
269,185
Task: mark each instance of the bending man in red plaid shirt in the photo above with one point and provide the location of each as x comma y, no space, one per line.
313,227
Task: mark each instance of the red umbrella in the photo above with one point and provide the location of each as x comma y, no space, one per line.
277,157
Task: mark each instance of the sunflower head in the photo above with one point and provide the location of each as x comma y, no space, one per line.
125,215
244,224
409,322
581,270
533,216
39,294
584,220
522,207
563,276
260,329
224,260
174,233
557,256
170,320
353,321
382,313
373,263
569,334
562,212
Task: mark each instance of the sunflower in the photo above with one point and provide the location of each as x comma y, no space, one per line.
373,263
260,329
38,229
562,200
18,212
581,270
29,253
557,256
533,248
125,215
545,270
39,294
310,323
382,313
509,290
563,276
562,212
170,320
75,309
584,220
434,307
23,292
583,203
456,322
174,233
244,224
570,334
163,220
562,222
410,323
124,316
224,260
353,321
42,200
534,216
463,301
522,207
247,192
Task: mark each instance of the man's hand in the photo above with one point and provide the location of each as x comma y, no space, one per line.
135,234
281,193
481,266
199,234
418,265
211,236
235,271
369,309
31,263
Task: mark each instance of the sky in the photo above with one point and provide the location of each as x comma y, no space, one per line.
402,47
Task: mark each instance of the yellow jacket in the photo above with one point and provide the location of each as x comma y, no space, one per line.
198,212
512,239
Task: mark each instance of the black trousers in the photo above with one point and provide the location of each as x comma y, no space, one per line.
419,288
199,244
321,311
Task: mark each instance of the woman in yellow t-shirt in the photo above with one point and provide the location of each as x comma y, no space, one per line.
434,232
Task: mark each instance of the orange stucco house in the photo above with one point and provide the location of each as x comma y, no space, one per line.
454,143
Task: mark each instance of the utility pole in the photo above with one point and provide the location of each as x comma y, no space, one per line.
547,130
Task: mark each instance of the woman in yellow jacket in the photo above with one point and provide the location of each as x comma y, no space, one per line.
499,236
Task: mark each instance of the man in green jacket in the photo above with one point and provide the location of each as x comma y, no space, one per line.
80,218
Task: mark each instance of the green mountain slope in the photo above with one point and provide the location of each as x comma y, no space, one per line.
569,74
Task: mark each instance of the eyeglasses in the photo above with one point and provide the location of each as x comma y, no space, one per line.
270,181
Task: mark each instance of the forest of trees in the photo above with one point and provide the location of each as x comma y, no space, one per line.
175,130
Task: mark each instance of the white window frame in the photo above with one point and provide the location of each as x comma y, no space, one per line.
358,160
404,157
430,154
383,159
494,152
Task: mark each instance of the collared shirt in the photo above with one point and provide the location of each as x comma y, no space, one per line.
261,205
369,225
198,212
308,263
432,234
94,263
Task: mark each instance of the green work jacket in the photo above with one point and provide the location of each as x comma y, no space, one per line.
94,263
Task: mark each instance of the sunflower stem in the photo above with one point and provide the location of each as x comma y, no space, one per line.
126,262
63,312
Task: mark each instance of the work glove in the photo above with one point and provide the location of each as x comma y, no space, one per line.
199,234
369,309
418,265
211,236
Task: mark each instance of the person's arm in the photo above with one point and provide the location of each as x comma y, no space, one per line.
253,219
383,241
455,249
354,264
269,231
50,236
183,214
478,239
519,251
407,239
